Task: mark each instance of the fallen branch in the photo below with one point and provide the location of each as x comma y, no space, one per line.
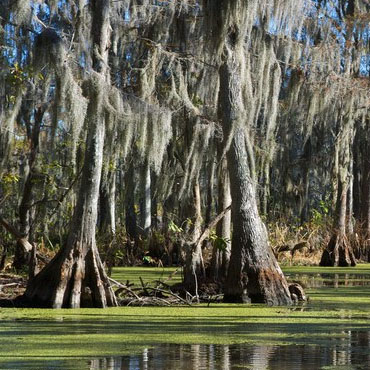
170,293
123,287
146,295
8,285
143,285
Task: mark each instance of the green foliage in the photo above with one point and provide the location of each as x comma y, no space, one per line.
17,78
8,181
9,178
318,216
197,101
174,228
149,260
219,242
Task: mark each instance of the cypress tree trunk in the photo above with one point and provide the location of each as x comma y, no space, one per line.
194,266
107,202
365,193
130,214
21,256
221,258
350,226
156,217
339,251
307,158
365,197
210,190
254,274
361,192
76,276
146,201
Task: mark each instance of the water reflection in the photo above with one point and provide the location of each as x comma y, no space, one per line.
352,350
330,280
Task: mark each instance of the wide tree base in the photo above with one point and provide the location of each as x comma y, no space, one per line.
71,280
338,253
267,286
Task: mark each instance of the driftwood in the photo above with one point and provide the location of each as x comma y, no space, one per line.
145,295
169,292
158,293
122,287
8,285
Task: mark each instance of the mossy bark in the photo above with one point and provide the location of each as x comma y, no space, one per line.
194,271
76,277
254,274
221,257
339,251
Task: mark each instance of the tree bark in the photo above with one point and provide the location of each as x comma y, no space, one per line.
130,214
21,256
221,258
76,276
350,226
194,267
365,194
339,251
107,202
365,199
146,201
254,274
211,166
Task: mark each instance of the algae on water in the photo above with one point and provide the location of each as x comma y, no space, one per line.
48,334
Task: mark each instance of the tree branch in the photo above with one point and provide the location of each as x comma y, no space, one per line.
211,225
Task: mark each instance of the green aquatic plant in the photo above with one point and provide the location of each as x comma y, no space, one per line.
45,334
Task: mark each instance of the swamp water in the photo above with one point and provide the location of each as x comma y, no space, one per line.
331,331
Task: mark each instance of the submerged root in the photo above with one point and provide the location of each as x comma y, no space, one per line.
297,293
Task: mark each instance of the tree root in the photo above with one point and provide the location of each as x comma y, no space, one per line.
338,253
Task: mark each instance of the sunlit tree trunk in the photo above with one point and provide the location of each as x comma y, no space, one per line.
76,276
210,172
146,201
365,196
130,214
107,200
221,257
254,274
339,250
21,257
194,267
350,226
